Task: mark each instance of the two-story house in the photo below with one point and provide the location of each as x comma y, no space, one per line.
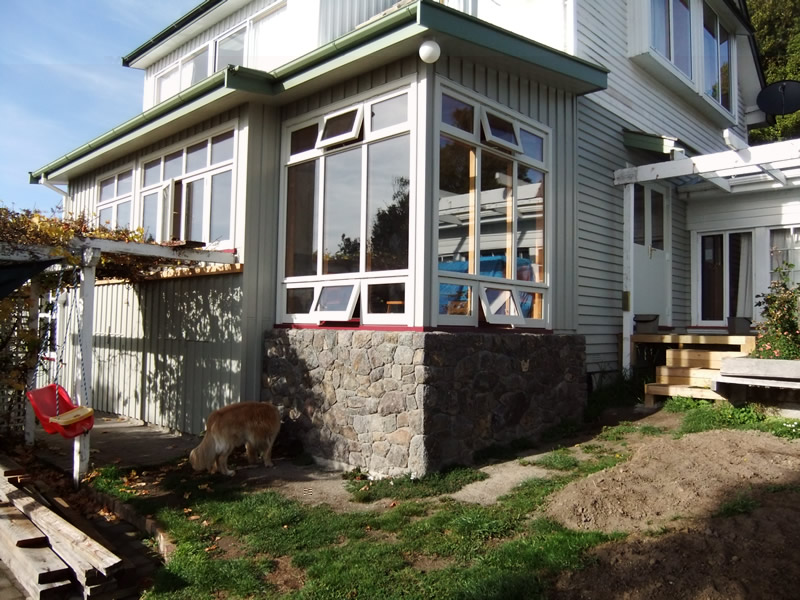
421,197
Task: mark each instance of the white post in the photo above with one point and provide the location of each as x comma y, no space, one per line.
627,274
33,325
80,446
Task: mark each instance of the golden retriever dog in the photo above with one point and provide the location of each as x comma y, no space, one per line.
254,424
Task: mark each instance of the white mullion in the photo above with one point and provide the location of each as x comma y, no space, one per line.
320,201
514,217
207,204
362,259
476,202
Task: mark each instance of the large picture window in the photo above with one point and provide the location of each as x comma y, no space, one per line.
491,216
346,213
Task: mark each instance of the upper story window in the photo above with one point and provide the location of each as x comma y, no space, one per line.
689,47
346,214
671,31
716,59
491,215
114,200
230,49
256,43
186,73
187,193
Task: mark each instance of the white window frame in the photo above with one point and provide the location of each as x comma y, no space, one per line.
692,89
490,136
365,278
388,318
518,157
513,296
245,27
114,202
697,279
166,187
345,314
347,136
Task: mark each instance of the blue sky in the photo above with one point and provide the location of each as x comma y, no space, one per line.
62,82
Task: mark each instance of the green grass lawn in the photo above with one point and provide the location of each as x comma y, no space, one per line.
235,543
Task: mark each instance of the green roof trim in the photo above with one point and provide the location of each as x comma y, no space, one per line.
397,28
170,30
651,142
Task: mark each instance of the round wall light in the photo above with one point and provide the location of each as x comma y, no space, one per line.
429,51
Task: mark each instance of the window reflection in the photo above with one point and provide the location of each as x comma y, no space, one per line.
458,114
530,224
301,220
342,219
495,210
456,165
387,204
390,112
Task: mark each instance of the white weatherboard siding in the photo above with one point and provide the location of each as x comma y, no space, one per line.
600,227
745,210
167,352
556,109
645,103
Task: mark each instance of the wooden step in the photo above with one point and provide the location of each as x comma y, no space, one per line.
693,376
659,389
704,359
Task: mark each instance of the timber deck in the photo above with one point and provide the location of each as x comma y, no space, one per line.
691,362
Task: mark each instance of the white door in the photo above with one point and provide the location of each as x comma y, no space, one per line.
652,263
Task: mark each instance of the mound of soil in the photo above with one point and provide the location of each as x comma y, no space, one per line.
713,515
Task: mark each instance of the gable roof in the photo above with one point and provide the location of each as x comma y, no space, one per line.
394,35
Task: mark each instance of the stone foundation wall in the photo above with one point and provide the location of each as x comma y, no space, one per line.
399,403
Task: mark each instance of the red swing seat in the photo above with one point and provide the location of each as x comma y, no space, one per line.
58,414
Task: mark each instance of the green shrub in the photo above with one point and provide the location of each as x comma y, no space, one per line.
779,332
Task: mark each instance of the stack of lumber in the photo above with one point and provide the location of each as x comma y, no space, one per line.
50,557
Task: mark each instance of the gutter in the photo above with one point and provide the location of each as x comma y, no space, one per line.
217,80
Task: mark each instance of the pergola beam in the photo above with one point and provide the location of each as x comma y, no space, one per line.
77,247
752,156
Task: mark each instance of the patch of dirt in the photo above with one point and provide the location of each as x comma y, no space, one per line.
669,496
284,576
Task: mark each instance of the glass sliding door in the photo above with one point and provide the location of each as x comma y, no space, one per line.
726,276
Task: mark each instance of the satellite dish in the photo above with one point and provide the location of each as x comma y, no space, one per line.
780,98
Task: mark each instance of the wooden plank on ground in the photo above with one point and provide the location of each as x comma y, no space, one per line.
67,540
34,566
9,467
17,530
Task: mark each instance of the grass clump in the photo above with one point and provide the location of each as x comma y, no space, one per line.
618,432
702,415
742,504
558,460
406,488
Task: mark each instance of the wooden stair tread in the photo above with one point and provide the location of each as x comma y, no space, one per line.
660,389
